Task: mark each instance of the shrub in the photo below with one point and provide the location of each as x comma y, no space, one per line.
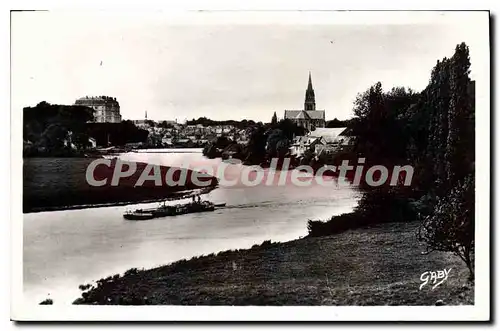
376,206
84,287
336,224
266,243
451,226
382,206
130,272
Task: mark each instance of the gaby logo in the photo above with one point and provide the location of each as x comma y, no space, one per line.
435,278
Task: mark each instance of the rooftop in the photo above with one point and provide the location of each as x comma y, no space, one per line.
301,114
330,135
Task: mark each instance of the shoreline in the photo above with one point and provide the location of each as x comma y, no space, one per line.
110,204
328,270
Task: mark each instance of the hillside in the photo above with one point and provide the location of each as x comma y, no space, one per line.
380,265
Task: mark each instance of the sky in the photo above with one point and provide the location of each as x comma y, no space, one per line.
180,69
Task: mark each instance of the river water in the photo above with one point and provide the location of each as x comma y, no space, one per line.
64,249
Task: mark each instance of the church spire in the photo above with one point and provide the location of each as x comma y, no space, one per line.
310,102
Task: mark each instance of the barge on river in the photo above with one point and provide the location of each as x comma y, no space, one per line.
174,210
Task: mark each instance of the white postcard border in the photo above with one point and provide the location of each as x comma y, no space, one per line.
480,311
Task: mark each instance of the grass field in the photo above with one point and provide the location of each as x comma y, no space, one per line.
380,265
60,183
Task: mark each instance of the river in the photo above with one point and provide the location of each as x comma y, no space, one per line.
63,249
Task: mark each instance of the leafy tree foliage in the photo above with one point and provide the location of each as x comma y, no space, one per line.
379,131
265,141
51,128
434,131
290,129
243,124
277,143
336,123
450,149
255,151
165,125
214,149
117,134
450,227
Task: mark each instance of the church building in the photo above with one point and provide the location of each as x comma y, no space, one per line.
309,117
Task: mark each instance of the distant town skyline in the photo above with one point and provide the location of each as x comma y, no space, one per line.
220,71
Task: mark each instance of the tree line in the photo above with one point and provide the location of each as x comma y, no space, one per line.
434,131
243,124
64,130
265,141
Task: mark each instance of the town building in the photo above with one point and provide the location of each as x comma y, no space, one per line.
331,139
322,140
106,109
309,117
302,144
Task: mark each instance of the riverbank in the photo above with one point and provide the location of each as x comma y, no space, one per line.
60,183
378,265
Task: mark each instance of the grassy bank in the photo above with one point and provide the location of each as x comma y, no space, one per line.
60,183
378,265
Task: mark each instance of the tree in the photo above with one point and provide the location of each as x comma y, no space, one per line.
449,158
336,123
438,133
451,226
52,128
80,140
378,127
214,148
54,137
290,128
208,122
165,125
255,150
460,148
277,143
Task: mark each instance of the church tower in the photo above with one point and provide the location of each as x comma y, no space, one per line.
310,103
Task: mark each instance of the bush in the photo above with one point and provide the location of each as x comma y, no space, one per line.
376,206
450,227
130,272
210,151
336,224
85,287
265,244
382,206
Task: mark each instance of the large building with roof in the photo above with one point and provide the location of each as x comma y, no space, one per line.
309,117
322,140
106,109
